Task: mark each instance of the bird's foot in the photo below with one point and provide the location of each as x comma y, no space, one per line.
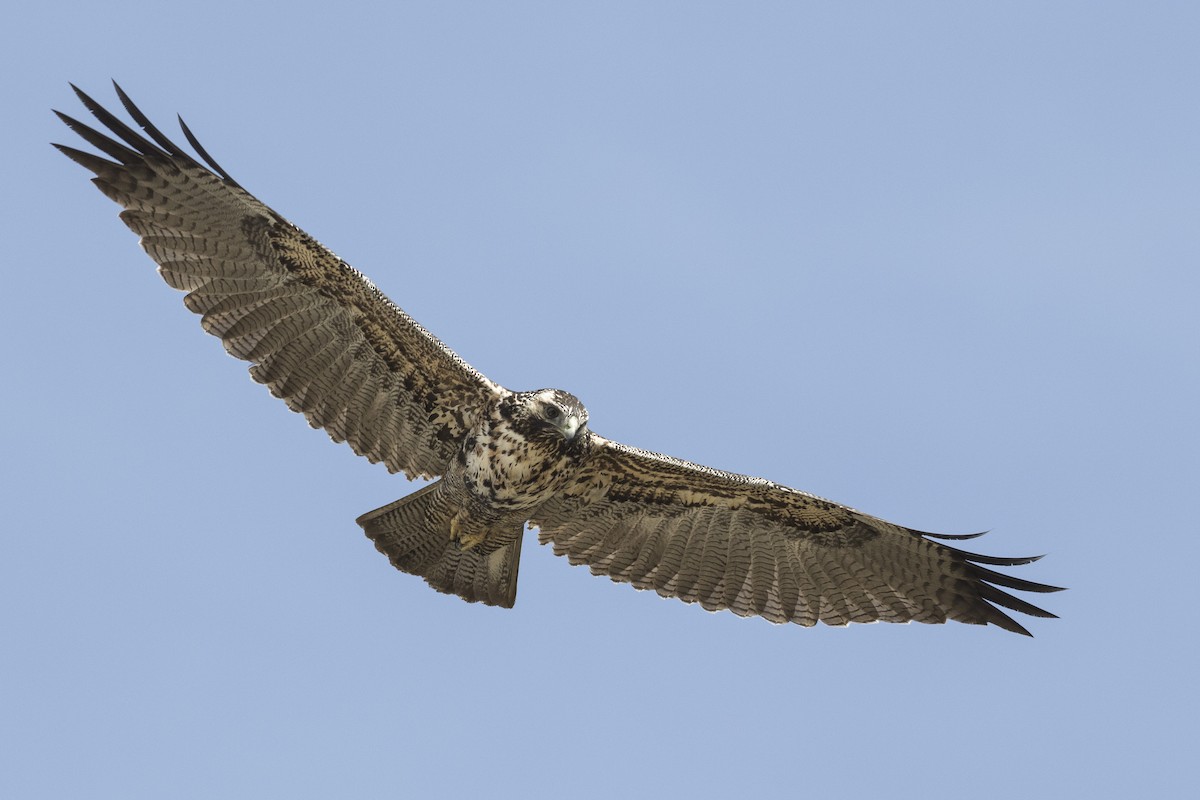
467,540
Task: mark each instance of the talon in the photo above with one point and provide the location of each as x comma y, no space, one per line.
467,541
471,542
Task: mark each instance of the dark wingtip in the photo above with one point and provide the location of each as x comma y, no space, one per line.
1021,629
1020,584
956,537
1002,620
87,160
212,162
988,581
67,119
110,147
158,143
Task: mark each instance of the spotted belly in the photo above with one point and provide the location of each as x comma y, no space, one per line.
508,472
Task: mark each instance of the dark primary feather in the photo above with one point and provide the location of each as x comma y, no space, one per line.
319,334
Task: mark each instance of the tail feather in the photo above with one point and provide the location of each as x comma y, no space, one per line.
479,577
414,533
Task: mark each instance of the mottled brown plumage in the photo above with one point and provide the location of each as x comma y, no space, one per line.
327,342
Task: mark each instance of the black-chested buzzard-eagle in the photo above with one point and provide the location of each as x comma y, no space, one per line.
333,347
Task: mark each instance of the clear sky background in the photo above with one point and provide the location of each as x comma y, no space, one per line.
934,260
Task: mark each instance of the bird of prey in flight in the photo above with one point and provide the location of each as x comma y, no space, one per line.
328,343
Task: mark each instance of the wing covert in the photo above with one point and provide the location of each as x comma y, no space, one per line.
755,547
319,334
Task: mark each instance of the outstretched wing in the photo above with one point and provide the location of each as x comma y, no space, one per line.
734,542
320,335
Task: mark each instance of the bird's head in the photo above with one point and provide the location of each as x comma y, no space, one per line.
553,411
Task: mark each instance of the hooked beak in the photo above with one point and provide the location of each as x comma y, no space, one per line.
570,427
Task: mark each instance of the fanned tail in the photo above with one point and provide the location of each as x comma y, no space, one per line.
414,533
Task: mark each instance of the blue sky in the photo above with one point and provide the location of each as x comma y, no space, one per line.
936,261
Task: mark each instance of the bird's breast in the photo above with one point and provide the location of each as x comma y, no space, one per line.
508,471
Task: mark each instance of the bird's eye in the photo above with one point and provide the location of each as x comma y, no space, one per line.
551,412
